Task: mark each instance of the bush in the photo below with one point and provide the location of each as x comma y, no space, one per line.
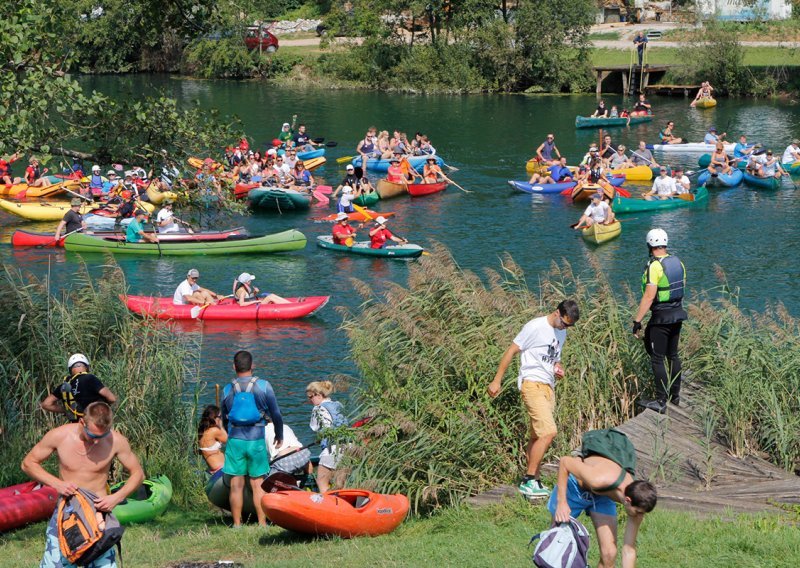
230,59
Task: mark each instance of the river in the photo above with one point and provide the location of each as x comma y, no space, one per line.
488,138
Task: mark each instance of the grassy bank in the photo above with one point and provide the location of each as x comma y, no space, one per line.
495,536
753,56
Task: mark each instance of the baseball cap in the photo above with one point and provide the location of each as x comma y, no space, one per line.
95,168
597,195
246,277
111,173
141,212
380,220
272,151
285,125
193,273
342,216
75,201
712,129
795,141
350,167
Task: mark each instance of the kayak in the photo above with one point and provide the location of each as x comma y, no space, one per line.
585,191
275,199
599,233
387,189
26,503
367,200
420,189
318,153
545,188
198,163
345,513
146,503
706,102
594,122
155,196
381,165
396,251
22,238
705,160
636,173
279,242
770,182
23,190
355,216
241,190
226,309
688,148
218,489
42,210
725,180
534,166
637,205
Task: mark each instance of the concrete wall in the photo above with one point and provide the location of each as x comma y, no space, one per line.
739,10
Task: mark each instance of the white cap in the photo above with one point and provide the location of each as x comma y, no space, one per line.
128,173
342,216
380,220
272,151
350,167
95,168
193,273
111,173
77,358
285,125
246,278
347,189
657,238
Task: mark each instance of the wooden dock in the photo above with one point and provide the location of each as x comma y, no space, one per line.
672,90
629,75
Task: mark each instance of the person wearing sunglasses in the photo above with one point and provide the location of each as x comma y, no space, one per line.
190,292
85,450
547,150
78,390
539,346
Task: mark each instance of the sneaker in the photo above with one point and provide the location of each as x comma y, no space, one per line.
533,489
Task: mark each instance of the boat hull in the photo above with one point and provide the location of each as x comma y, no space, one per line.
599,233
363,248
227,309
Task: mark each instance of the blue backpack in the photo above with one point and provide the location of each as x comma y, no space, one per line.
244,411
336,410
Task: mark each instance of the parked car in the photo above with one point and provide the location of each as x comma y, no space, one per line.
258,36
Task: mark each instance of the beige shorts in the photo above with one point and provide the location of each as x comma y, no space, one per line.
540,403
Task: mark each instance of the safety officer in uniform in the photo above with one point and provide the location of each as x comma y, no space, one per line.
663,284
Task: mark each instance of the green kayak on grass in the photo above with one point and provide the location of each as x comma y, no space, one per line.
639,205
367,200
146,503
592,122
770,182
397,251
278,242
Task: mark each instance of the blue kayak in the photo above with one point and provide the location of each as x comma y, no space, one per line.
726,180
544,188
318,153
376,165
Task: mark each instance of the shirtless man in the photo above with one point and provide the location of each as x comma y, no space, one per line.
593,485
85,450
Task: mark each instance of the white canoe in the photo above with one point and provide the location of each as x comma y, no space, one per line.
689,148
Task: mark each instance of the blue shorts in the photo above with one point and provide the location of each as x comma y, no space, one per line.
582,501
342,209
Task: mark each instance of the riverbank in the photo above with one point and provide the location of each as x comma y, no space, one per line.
491,536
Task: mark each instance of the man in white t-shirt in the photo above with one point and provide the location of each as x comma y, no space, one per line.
792,152
297,456
166,220
598,212
663,186
189,292
682,183
539,345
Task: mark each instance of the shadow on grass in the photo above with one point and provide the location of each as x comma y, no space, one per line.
288,538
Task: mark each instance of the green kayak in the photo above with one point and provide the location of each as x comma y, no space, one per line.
770,182
278,242
279,199
367,200
634,205
148,502
590,122
398,251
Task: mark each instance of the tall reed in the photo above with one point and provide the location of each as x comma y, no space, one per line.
143,363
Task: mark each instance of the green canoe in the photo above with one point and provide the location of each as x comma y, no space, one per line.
279,199
634,205
278,242
589,122
398,251
367,200
770,182
148,502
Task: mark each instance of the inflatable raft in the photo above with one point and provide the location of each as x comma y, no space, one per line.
227,309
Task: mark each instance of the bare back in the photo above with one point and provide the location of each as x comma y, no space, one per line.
605,473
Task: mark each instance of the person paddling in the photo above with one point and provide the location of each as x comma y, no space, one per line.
135,232
166,221
601,111
247,295
343,232
663,186
380,235
395,173
597,213
5,169
431,172
792,153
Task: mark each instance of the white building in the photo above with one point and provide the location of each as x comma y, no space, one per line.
745,10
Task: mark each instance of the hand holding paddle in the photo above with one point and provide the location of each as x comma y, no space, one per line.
197,310
55,240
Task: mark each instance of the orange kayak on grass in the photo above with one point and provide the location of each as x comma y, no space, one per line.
355,216
343,512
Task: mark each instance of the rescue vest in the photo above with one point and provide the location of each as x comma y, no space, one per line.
670,285
68,398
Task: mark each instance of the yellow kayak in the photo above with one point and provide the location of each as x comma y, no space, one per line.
599,234
198,163
155,196
706,103
636,173
534,166
42,210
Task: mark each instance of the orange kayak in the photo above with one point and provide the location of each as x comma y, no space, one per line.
23,190
343,512
355,216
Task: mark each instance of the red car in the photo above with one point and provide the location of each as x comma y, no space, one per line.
258,36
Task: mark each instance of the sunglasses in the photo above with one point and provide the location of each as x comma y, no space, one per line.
564,322
95,436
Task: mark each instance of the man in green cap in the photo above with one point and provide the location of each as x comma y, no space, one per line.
72,221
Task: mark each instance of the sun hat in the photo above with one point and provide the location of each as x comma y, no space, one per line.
342,216
245,278
394,160
430,159
796,141
285,125
712,129
95,168
75,201
347,189
272,152
380,220
111,173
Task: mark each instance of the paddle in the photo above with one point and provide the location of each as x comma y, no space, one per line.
344,159
55,240
318,140
449,167
331,144
197,310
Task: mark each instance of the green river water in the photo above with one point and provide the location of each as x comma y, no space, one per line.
488,138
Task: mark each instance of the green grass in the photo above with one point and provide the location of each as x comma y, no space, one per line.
605,35
755,56
494,536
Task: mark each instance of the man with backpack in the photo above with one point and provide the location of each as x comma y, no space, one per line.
85,451
246,404
78,390
594,482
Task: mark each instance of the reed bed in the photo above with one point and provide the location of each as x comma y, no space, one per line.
427,352
143,363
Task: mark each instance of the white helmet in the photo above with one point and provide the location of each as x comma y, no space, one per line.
77,358
657,238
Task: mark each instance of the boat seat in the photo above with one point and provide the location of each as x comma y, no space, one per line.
361,501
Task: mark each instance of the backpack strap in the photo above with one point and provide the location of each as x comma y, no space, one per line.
251,384
614,485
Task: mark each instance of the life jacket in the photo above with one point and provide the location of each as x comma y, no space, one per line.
68,398
5,168
243,409
96,185
79,536
336,410
613,445
248,289
594,175
670,285
32,174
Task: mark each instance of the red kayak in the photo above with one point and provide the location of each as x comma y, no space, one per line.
355,216
242,189
344,512
22,238
419,189
25,503
226,309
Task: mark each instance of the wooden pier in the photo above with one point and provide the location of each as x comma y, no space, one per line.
629,74
672,90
